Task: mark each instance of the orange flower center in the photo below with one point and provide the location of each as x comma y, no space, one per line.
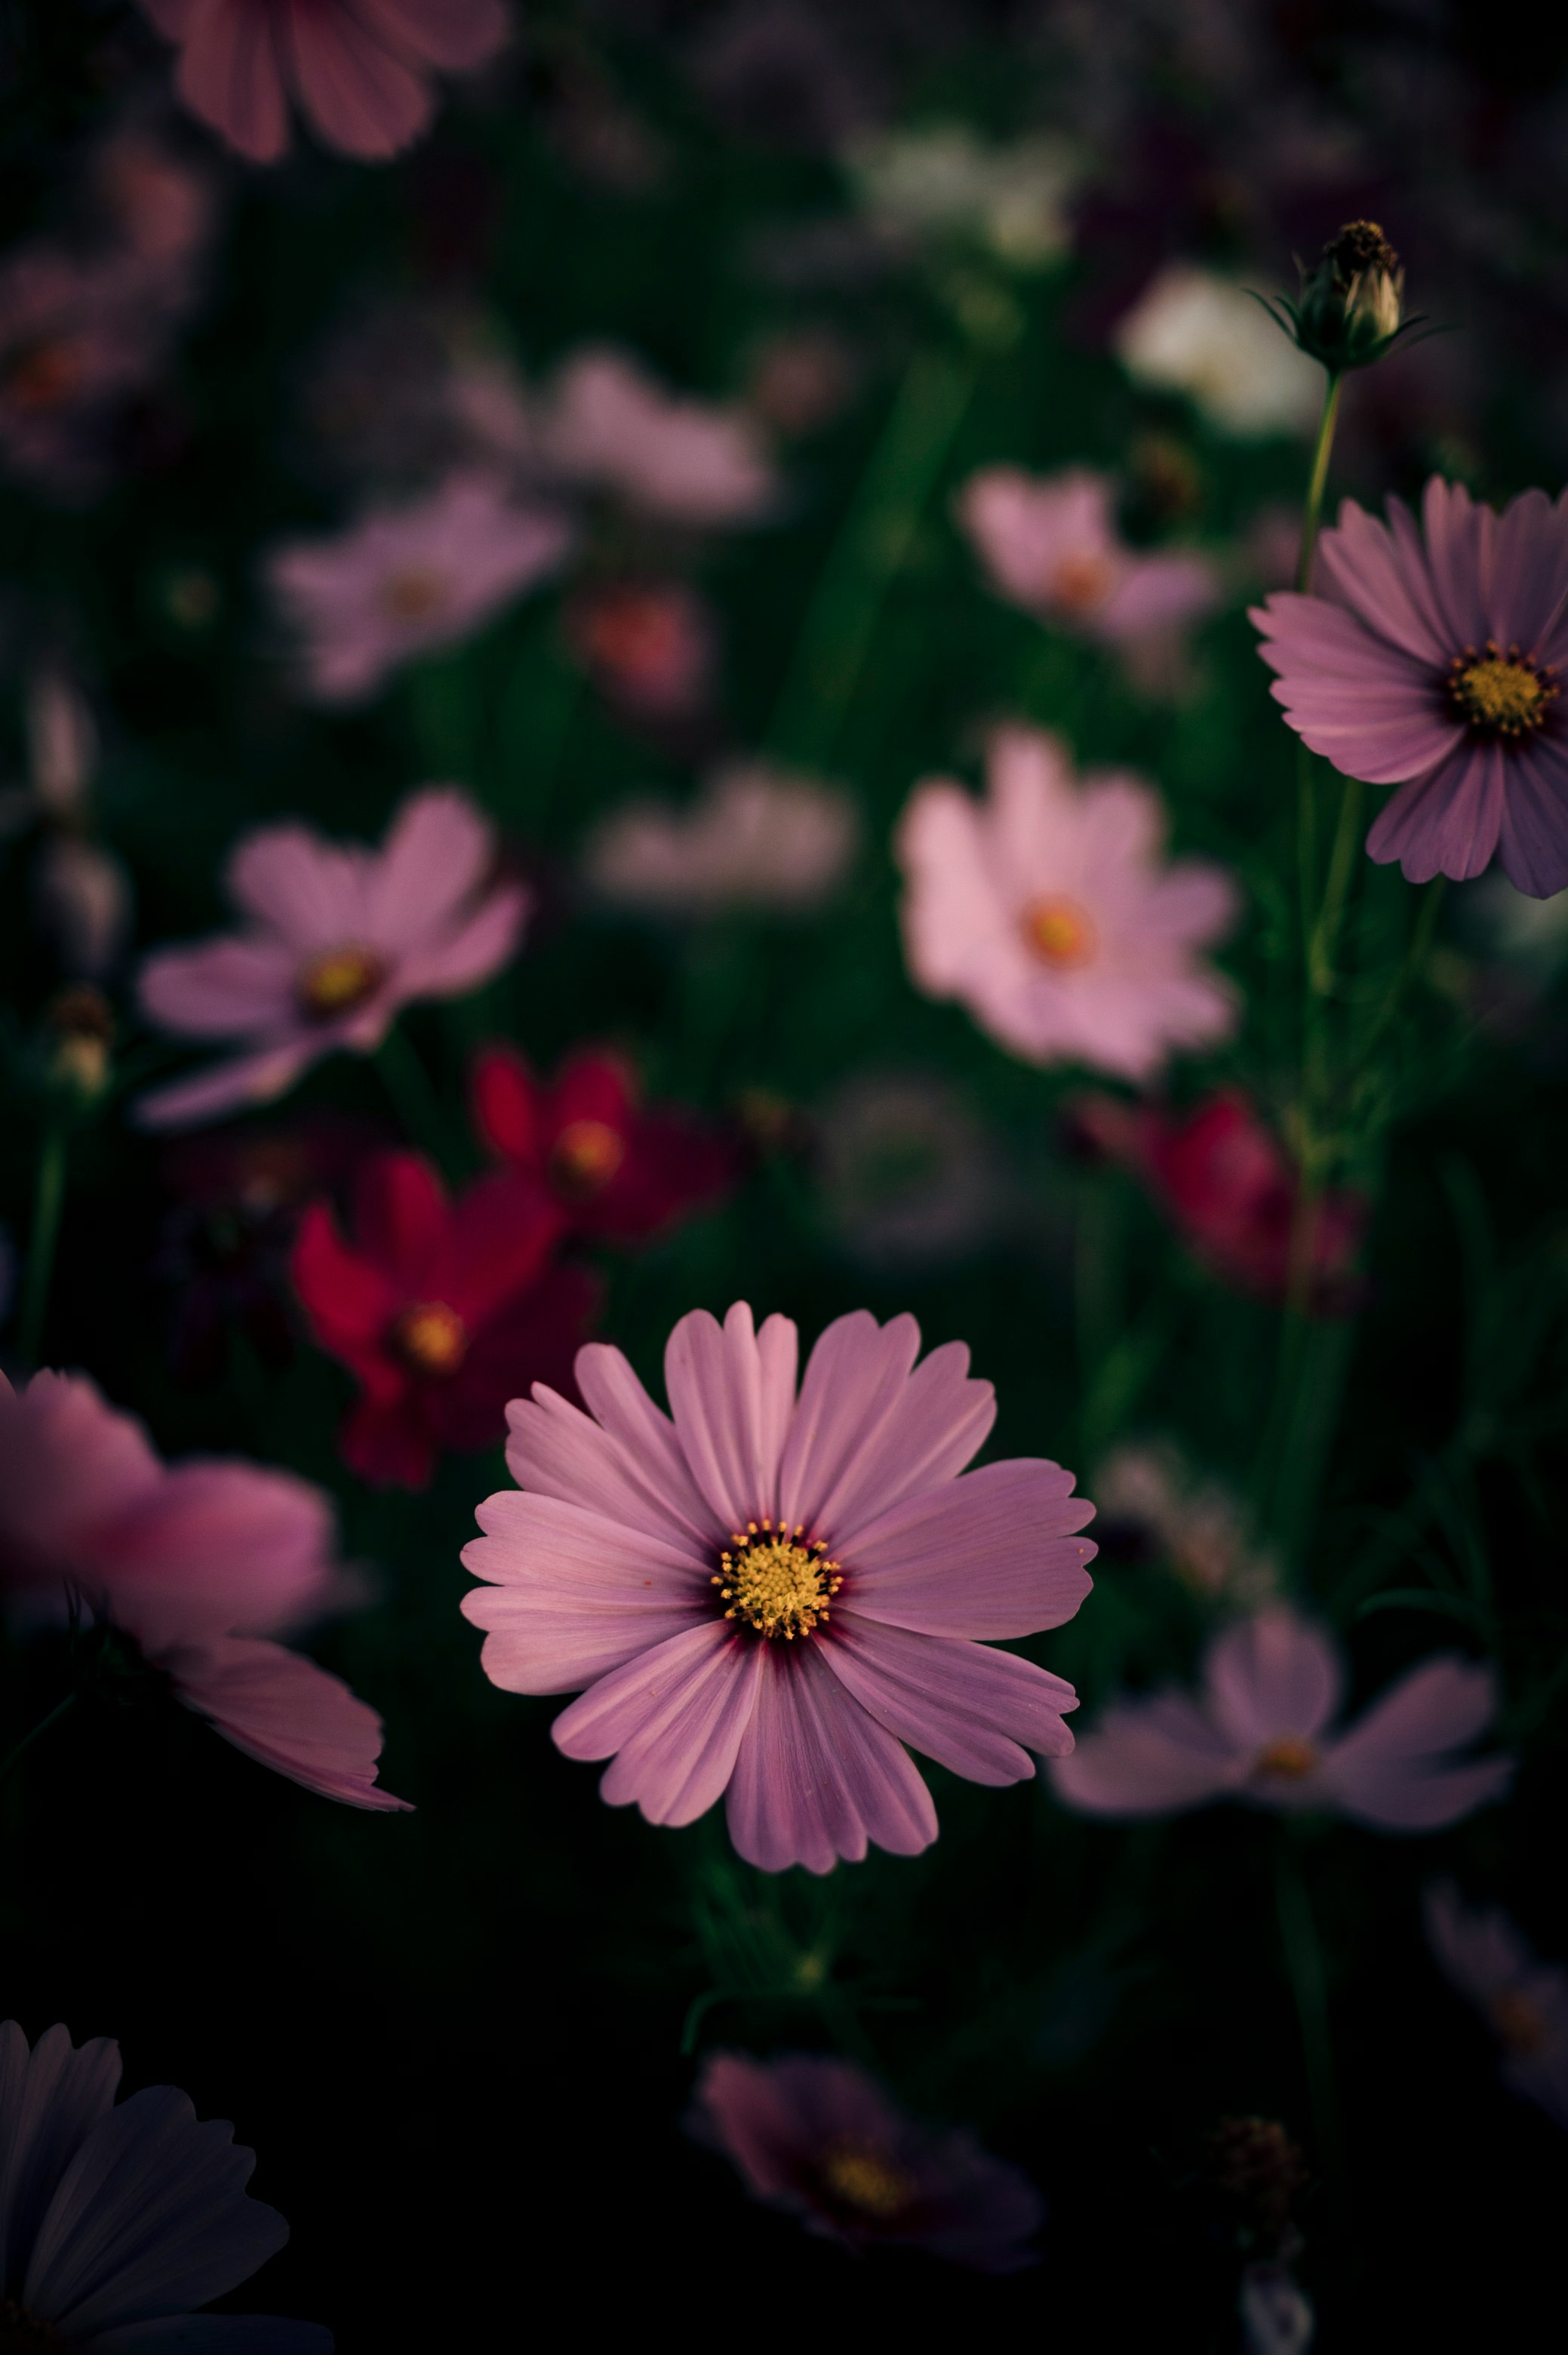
1506,695
775,1581
1079,583
44,377
338,981
1060,933
414,593
861,2179
587,1155
1289,1757
1518,2023
431,1338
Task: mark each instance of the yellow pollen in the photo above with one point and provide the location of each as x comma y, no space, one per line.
775,1581
1079,583
862,2180
338,982
431,1337
1289,1757
416,591
587,1155
1060,933
1518,2023
1507,694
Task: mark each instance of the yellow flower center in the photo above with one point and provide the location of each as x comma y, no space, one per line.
338,982
431,1338
587,1155
1079,583
1518,2023
862,2180
1289,1757
774,1581
414,593
1506,694
1060,933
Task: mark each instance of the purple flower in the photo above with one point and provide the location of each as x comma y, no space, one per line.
1430,661
340,937
1271,1686
768,1596
821,2140
1524,2000
610,426
1050,544
117,2221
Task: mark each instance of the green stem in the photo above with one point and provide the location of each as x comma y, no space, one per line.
1309,1987
1318,481
15,1757
1415,958
1325,935
413,1100
48,1197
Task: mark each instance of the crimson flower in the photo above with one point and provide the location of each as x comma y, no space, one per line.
614,1167
442,1310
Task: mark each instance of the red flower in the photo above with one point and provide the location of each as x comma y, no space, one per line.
1228,1187
443,1310
614,1167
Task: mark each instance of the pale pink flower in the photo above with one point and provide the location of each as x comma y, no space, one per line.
197,1562
404,581
754,837
338,938
1524,2002
1046,911
117,2221
767,1597
359,70
607,423
1260,1732
1151,1501
1050,544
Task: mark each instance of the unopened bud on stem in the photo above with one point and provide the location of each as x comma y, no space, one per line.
1351,310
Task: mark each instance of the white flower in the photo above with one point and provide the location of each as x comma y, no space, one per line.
944,181
1195,333
754,837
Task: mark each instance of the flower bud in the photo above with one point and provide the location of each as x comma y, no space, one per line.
79,1029
1351,310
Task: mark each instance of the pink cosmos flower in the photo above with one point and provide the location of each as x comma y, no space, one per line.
1271,1686
404,581
197,1562
1430,661
608,424
116,2221
821,2139
1524,2002
339,938
1050,544
1046,911
360,69
768,1597
756,837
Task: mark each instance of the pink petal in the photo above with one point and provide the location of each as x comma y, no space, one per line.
280,1707
815,1778
1529,571
1156,1756
313,893
455,35
236,1086
1271,1674
575,1595
438,851
69,1463
229,75
468,957
1362,704
1395,1766
237,1545
1407,1795
731,1392
976,1711
987,1555
674,1718
1388,589
1533,840
1458,533
561,1452
1447,822
50,2099
221,989
868,1433
359,97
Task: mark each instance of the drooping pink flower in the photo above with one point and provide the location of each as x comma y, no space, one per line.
821,2139
649,645
1485,1955
339,937
1429,661
404,581
198,1563
608,425
1046,911
1260,1732
754,837
1050,544
359,70
117,2221
768,1597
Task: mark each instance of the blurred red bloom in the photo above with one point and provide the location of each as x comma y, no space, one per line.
1229,1187
443,1310
614,1167
647,646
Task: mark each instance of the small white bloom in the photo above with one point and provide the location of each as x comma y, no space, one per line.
944,181
1204,336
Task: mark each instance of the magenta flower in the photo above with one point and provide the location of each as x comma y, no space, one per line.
610,426
117,2221
821,2139
360,69
1524,2002
1046,909
1271,1686
1430,661
1050,544
198,1563
769,1597
339,938
404,581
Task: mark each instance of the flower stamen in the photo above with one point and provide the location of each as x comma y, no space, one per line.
1289,1757
861,2179
587,1155
1506,695
414,593
775,1581
338,982
1060,932
431,1338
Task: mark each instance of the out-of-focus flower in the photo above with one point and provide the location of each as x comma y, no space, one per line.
79,1027
1271,1686
1149,1501
1228,1186
1050,544
800,379
1274,2312
944,182
1046,909
1351,307
359,70
821,2139
1430,661
782,72
404,581
1524,2002
82,896
754,837
1196,333
767,1597
197,1563
608,425
81,893
339,938
613,1165
1254,2173
649,645
117,2221
909,1177
442,1310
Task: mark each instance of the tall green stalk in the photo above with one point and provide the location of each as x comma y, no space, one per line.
49,1199
1310,1990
